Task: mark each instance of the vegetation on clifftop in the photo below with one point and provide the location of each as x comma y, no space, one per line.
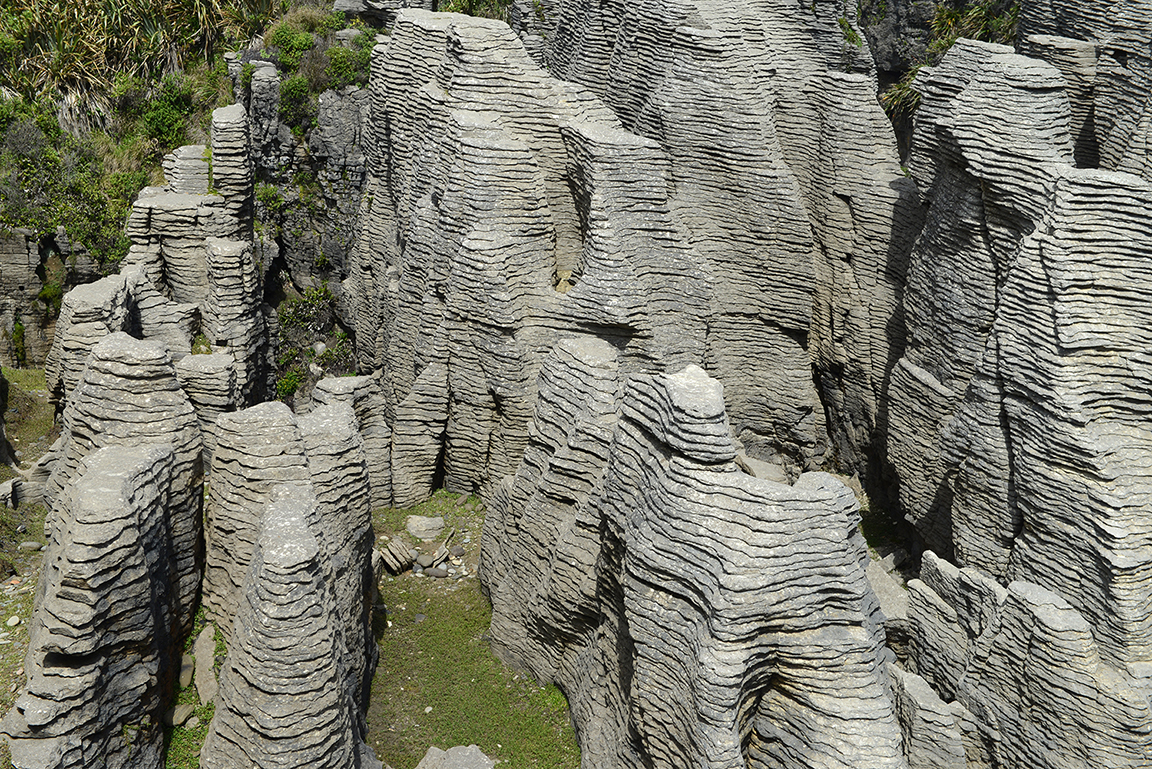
993,21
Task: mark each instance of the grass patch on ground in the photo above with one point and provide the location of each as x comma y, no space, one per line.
29,422
434,653
183,743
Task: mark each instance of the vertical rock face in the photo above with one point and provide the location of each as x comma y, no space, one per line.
257,449
786,184
363,394
129,396
339,472
232,164
1025,673
103,635
209,381
281,700
20,286
506,185
233,318
673,597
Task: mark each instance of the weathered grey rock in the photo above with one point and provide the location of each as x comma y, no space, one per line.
178,225
282,702
232,164
233,316
339,473
88,313
209,381
204,650
628,526
186,170
423,527
1024,665
459,757
129,396
363,394
102,651
19,290
257,449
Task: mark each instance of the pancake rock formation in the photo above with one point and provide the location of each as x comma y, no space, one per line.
693,614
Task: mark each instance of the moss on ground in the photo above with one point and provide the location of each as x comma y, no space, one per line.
438,682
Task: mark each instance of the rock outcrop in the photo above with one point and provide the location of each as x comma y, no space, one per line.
674,598
281,700
104,630
129,396
257,449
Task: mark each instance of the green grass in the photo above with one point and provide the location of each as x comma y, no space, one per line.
183,743
444,662
29,422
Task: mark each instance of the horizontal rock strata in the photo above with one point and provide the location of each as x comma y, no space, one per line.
102,642
129,396
665,591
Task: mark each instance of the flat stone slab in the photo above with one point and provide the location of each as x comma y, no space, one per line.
425,528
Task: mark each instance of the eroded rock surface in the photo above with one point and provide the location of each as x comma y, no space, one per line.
104,632
674,598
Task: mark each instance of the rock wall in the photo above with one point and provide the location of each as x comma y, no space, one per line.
103,637
630,561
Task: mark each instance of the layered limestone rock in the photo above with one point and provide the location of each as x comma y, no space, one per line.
362,394
103,633
88,313
692,614
281,700
805,238
257,449
338,468
186,170
232,164
19,306
209,381
233,316
129,396
1028,683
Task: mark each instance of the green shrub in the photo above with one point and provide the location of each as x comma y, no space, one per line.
851,36
247,70
168,110
350,66
992,21
52,294
288,384
268,195
18,348
290,44
297,104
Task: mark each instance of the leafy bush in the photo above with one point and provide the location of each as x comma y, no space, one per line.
168,111
992,21
288,384
488,9
350,66
297,104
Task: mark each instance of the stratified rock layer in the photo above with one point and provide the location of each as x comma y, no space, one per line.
129,396
257,449
693,615
103,639
281,700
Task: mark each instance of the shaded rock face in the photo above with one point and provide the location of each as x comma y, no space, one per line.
1019,662
668,593
284,637
104,630
504,209
129,396
292,519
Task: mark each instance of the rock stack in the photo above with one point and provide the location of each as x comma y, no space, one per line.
257,449
186,170
129,396
631,528
103,635
363,394
284,636
209,381
233,318
232,165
